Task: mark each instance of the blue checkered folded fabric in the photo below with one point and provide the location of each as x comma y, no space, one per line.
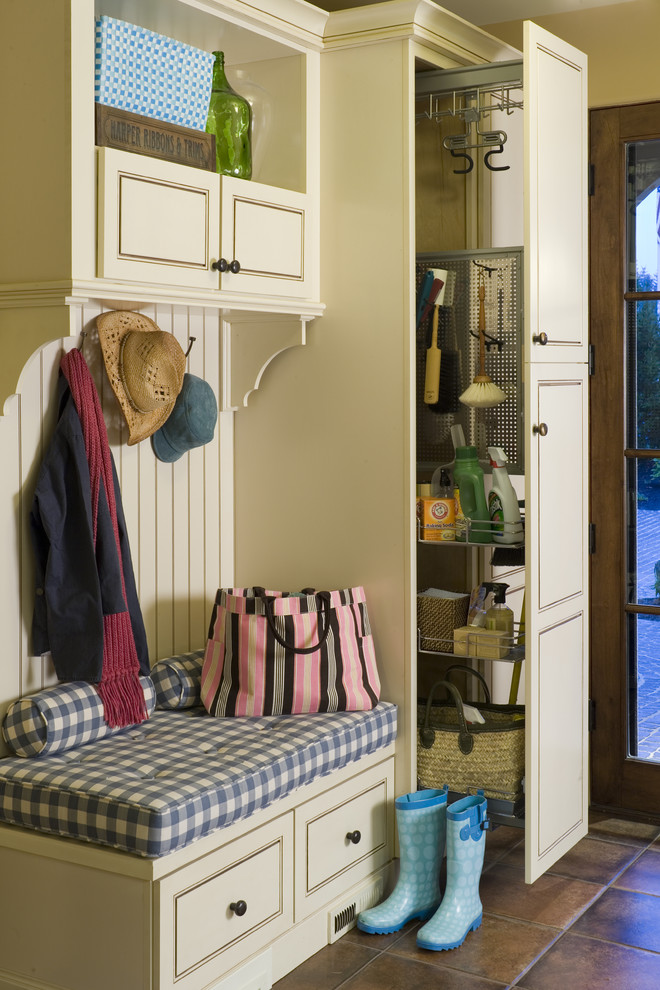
182,775
150,74
61,717
177,680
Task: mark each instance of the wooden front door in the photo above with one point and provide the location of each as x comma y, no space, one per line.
625,457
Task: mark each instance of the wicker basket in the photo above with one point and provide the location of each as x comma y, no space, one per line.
489,756
436,620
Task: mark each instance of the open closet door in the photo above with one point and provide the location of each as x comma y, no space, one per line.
556,448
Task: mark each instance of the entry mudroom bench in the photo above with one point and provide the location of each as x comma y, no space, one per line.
170,853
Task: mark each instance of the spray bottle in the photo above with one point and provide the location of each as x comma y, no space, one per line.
503,502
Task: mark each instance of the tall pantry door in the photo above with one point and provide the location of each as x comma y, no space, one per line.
556,454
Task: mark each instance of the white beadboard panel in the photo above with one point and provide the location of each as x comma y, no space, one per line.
163,507
172,511
218,476
11,668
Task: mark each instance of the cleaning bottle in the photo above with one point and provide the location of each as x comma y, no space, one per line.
447,505
499,616
503,502
471,497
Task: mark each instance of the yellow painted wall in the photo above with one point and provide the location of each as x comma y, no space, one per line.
622,44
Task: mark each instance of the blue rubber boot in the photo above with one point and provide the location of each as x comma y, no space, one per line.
421,823
460,911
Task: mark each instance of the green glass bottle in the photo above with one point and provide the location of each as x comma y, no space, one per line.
229,119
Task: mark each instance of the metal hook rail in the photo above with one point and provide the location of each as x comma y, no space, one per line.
474,93
472,110
473,104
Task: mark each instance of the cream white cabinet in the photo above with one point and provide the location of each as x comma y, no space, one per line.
165,223
269,233
227,910
358,386
556,449
152,231
157,221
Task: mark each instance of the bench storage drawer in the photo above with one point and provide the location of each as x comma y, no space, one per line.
342,836
222,908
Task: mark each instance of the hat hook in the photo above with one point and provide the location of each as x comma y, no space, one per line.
191,341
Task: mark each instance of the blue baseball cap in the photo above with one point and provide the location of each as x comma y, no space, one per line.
190,424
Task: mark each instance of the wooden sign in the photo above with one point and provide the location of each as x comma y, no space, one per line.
146,136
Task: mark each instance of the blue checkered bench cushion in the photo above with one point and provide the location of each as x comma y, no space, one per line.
158,786
151,74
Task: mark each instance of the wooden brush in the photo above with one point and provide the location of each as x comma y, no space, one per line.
483,392
433,364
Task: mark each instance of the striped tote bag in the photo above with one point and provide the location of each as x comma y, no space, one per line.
279,653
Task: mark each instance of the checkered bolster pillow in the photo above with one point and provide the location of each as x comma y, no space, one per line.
177,680
61,717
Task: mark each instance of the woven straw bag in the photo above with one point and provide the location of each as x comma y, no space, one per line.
490,756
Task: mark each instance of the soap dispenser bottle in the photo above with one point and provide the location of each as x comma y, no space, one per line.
499,616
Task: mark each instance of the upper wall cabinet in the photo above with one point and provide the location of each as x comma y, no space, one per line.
51,226
171,224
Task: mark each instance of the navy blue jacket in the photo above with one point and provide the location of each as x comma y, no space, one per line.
77,585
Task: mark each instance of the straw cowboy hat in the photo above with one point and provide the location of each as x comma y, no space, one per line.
145,367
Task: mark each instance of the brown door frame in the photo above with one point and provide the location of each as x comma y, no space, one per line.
617,781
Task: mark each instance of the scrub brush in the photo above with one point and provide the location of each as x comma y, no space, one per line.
483,392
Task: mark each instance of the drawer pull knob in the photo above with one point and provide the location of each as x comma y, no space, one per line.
541,429
354,837
238,907
540,338
222,265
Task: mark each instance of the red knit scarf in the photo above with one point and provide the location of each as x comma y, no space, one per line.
119,687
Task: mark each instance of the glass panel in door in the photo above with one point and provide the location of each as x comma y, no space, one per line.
642,403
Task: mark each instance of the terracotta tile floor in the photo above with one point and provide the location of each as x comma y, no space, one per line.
592,922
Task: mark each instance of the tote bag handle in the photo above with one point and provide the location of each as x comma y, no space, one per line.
427,734
322,597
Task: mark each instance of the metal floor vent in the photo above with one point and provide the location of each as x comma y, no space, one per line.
342,917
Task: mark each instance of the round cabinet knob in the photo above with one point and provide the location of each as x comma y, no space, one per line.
540,338
354,837
238,907
541,429
222,265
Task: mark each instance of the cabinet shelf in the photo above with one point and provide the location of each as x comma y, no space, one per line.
440,648
480,526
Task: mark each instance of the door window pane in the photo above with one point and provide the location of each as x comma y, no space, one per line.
644,687
643,529
643,375
643,169
642,431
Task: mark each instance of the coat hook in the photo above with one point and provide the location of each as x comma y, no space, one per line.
462,154
191,341
83,334
495,168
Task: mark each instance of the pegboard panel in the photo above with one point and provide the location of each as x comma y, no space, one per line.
500,426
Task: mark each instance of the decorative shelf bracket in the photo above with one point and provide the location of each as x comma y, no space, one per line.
250,343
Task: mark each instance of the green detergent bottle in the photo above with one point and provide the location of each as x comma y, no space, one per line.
469,478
